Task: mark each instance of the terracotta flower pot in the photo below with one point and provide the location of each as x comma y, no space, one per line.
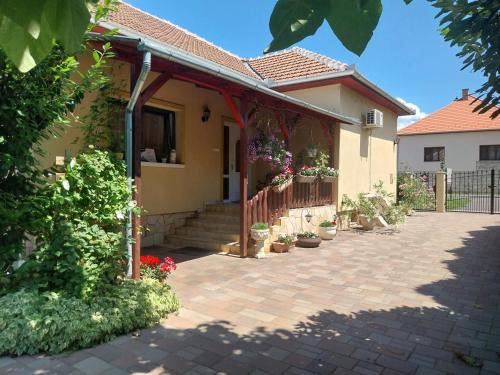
279,247
306,179
308,242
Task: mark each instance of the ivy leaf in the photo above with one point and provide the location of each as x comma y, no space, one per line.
65,185
353,22
294,20
29,28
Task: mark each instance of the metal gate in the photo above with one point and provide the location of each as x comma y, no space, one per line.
475,191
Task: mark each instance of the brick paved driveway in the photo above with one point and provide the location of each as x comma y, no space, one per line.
366,303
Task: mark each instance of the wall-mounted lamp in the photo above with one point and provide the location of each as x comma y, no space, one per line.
309,216
206,114
396,140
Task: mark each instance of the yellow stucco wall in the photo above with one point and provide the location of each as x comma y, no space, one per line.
200,146
362,156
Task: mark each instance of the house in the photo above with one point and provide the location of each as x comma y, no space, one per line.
455,136
207,103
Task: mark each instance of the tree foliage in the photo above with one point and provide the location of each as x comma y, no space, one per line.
29,29
474,27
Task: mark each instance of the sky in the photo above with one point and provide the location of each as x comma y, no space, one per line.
407,56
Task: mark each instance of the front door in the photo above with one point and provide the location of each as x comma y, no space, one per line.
231,176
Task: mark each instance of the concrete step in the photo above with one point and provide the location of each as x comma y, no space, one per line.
195,232
229,208
202,243
210,225
222,218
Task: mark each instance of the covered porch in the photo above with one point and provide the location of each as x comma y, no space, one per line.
244,98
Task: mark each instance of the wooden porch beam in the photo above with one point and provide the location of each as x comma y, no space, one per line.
284,129
153,87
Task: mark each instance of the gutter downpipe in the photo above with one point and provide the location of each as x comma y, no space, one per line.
145,69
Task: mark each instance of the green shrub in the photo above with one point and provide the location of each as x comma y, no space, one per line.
81,246
394,214
260,226
33,322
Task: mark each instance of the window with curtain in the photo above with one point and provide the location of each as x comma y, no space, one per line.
158,129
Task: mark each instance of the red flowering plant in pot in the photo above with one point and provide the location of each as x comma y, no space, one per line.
152,268
283,180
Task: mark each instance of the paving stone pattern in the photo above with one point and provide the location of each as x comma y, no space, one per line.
392,302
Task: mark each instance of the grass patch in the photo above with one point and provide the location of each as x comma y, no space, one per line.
456,203
32,322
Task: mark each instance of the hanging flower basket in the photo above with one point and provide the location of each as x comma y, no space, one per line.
306,179
328,174
307,175
270,150
283,186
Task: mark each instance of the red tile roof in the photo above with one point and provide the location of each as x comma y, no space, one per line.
163,31
455,117
294,63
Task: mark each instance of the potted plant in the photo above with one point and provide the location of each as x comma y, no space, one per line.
328,229
284,243
328,174
259,233
308,239
283,180
307,175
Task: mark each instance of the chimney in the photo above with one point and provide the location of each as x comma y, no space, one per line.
465,94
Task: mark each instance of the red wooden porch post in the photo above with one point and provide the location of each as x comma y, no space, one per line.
244,178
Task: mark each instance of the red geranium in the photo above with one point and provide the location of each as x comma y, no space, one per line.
149,260
168,265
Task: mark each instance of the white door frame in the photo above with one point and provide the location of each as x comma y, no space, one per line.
234,175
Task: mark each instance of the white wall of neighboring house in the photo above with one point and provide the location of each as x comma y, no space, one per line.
461,150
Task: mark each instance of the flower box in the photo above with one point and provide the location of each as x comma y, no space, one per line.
306,179
283,186
328,179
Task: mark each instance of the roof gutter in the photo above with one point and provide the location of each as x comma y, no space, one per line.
178,56
353,72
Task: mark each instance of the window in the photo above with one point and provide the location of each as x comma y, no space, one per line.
434,154
490,152
158,130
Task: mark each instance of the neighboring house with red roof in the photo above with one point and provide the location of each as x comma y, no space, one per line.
204,103
464,140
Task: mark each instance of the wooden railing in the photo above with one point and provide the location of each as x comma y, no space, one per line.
269,205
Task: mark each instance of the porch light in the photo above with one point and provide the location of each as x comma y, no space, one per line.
396,140
309,216
206,114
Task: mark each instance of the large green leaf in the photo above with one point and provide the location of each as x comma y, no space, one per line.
353,21
293,20
29,28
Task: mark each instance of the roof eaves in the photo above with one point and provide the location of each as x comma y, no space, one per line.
351,71
179,56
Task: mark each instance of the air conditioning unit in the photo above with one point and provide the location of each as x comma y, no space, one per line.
374,119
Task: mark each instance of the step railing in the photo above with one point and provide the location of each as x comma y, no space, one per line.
269,205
